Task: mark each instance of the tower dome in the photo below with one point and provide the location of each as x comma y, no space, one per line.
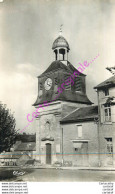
60,42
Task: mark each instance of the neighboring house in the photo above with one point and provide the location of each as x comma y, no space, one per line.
106,105
20,152
26,137
80,137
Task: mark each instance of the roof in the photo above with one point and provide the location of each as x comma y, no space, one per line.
30,146
64,96
26,137
81,114
107,83
56,65
60,42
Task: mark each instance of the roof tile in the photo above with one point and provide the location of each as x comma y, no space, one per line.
81,114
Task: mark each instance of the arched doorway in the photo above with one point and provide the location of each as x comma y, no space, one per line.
48,153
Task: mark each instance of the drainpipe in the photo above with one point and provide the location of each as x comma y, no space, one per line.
62,148
98,129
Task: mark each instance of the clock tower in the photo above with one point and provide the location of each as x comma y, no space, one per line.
49,134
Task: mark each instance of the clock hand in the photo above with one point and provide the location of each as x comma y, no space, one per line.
49,84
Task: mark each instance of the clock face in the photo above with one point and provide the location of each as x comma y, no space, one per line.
48,84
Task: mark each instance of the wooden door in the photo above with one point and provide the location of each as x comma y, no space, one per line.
48,153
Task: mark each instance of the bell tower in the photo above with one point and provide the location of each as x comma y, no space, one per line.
53,105
61,48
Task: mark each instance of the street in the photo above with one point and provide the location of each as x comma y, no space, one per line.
55,175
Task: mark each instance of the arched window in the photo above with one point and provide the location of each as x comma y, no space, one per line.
47,126
48,129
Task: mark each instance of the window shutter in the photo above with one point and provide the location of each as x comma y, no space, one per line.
67,83
40,89
102,113
113,113
78,84
55,84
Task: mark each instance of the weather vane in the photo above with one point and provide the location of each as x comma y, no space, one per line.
60,32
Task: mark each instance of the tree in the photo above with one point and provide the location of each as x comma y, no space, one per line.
7,129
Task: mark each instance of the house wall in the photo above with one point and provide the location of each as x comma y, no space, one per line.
106,129
89,133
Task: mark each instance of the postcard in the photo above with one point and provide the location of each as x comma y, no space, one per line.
57,93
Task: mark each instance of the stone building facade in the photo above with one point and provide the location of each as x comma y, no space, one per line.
106,106
80,137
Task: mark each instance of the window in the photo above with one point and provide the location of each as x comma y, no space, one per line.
79,130
48,129
78,84
67,82
107,111
109,146
56,85
56,81
106,92
40,86
40,89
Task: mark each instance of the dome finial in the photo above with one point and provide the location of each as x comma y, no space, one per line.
60,32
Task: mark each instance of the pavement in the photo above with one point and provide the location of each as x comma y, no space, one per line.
90,168
76,168
62,167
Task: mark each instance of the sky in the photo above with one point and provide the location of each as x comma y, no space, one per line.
28,29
